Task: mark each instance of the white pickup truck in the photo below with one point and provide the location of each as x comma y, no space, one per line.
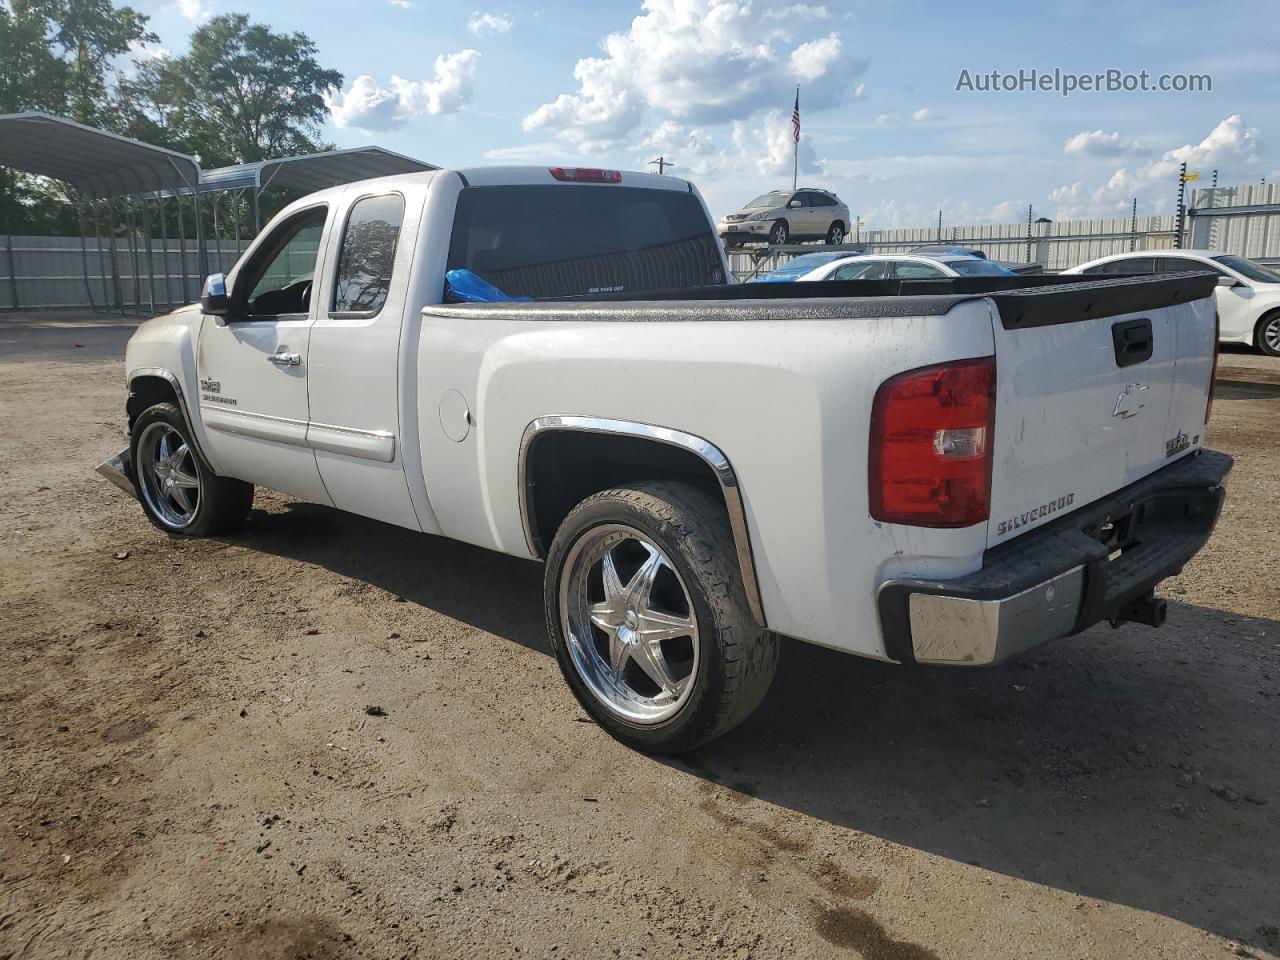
920,471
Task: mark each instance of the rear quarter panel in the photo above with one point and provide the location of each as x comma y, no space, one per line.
787,401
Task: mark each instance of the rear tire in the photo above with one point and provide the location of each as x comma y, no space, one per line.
713,663
835,233
780,233
178,491
1267,336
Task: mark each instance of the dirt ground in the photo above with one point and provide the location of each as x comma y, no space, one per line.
188,767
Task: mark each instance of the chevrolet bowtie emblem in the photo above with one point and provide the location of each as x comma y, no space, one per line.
1130,401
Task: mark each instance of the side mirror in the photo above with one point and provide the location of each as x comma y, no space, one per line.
793,204
1225,281
214,299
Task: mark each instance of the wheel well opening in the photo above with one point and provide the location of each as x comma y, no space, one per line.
146,392
564,467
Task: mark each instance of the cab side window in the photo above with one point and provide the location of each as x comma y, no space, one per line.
280,277
368,254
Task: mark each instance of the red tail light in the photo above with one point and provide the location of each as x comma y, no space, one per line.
1213,370
586,174
931,438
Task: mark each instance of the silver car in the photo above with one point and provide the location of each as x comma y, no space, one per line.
784,216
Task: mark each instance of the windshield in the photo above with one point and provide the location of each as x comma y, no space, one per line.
770,200
810,261
979,268
574,239
1247,268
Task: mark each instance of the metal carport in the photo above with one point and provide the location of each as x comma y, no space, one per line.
124,182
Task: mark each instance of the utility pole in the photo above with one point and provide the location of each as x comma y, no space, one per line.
1029,238
1182,196
662,163
1133,226
857,229
939,226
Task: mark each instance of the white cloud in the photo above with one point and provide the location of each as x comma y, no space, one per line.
884,119
921,115
811,60
193,10
402,4
1230,146
367,105
1099,143
797,11
545,152
489,22
699,61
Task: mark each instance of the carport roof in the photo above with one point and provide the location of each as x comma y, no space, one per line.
96,163
313,171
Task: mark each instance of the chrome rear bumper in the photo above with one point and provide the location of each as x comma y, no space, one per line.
1101,562
119,471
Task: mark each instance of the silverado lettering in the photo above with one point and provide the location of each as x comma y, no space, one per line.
1022,519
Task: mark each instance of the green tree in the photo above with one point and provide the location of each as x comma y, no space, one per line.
32,77
242,93
90,34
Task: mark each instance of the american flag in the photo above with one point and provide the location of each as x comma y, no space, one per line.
795,118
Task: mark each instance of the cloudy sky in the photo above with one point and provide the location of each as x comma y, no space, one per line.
709,84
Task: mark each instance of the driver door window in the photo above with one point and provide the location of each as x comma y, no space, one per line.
281,281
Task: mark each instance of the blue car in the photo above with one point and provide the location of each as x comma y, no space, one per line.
797,267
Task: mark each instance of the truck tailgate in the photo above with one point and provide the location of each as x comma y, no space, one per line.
1098,385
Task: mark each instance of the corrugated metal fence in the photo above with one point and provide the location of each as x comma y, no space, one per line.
57,272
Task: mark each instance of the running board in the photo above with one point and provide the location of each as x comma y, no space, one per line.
120,472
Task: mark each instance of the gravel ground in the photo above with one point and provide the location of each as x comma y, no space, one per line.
190,767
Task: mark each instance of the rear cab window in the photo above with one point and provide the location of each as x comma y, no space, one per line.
367,256
567,240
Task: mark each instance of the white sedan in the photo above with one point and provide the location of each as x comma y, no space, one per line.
905,267
1248,294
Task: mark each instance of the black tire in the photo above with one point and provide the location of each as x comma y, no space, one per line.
221,503
780,233
1267,335
835,233
737,657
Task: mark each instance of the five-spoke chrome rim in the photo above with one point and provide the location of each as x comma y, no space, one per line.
1271,334
169,476
837,234
629,624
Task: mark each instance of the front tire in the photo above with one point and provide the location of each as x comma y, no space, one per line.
178,491
649,618
1267,337
835,234
780,233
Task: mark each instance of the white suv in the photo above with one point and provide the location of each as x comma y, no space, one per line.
784,216
1248,294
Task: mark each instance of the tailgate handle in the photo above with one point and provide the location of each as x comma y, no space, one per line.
1133,341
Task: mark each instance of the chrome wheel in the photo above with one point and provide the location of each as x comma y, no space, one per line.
629,624
1271,336
169,478
835,235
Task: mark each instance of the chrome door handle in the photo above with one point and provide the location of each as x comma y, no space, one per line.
285,359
